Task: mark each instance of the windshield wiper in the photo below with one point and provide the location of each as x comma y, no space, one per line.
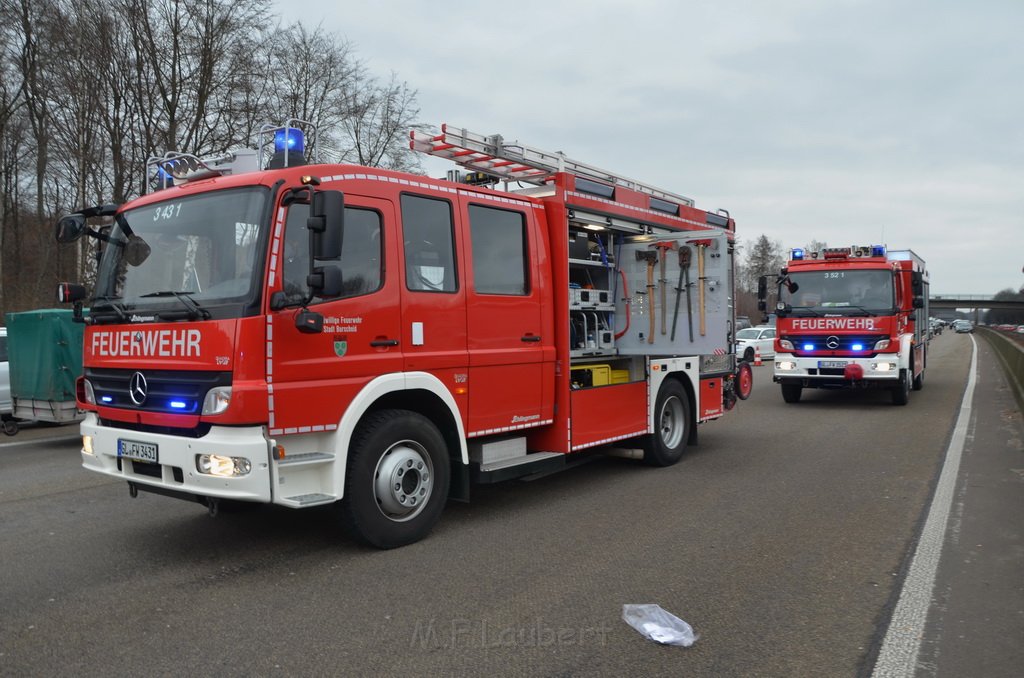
120,314
194,310
808,309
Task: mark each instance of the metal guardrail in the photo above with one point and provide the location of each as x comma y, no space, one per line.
1011,354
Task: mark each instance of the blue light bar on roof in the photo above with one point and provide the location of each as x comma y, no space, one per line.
290,138
878,250
797,253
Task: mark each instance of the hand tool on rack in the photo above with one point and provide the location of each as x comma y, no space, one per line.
663,247
684,271
701,245
651,258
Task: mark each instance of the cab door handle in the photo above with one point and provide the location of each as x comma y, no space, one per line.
530,337
377,343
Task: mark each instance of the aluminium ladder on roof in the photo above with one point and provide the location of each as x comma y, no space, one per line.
518,162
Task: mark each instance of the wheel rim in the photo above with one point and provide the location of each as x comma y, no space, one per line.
403,481
746,381
671,422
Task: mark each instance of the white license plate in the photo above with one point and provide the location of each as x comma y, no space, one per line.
831,364
133,449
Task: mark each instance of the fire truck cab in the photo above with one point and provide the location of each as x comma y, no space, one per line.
268,330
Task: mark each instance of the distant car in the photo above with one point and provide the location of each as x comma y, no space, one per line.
750,339
963,326
1020,329
743,322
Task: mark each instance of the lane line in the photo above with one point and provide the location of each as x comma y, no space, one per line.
902,642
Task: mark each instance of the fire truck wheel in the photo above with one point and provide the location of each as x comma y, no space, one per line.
901,392
744,380
672,423
791,393
919,381
397,480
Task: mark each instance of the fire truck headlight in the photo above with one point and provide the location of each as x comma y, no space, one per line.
881,345
785,344
224,467
88,395
87,444
217,400
883,367
785,365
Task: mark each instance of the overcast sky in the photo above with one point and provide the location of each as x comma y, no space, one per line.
844,121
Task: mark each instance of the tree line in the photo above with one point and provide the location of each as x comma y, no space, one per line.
90,89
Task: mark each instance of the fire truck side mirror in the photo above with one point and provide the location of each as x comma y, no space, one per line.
917,283
326,223
325,281
70,228
918,302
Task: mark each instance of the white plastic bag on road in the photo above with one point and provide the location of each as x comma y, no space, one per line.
659,625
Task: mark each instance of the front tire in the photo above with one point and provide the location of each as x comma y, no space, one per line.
791,393
901,392
672,424
397,480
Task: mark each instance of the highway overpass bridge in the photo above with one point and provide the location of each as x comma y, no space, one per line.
945,306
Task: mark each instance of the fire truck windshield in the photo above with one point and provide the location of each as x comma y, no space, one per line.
840,292
205,246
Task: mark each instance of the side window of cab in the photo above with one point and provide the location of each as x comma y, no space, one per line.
362,251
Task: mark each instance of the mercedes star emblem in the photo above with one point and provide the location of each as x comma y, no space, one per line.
832,342
137,388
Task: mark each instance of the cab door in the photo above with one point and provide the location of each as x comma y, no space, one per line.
508,387
433,331
313,377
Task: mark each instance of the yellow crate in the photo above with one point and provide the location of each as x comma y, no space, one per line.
592,375
620,376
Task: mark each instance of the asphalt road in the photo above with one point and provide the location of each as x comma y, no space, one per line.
782,538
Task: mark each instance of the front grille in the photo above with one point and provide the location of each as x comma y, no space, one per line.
846,344
167,391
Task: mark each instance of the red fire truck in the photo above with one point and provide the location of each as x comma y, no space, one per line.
268,330
851,317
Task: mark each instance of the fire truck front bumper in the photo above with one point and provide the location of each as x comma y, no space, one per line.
226,463
881,371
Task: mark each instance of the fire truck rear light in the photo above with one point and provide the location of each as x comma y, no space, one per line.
881,345
221,466
217,400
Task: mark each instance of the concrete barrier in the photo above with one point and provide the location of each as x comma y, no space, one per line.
1011,354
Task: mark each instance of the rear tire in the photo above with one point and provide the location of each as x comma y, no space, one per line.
919,381
672,426
791,393
397,480
748,355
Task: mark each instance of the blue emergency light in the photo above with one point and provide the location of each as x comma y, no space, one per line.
808,347
878,250
178,404
858,347
797,253
289,138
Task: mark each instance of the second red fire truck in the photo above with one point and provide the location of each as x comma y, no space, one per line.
851,317
272,331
